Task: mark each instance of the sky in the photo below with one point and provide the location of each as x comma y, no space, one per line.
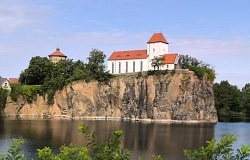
216,32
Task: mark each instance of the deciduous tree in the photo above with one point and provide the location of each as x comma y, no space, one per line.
156,62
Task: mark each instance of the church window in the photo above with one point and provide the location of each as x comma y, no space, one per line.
141,66
133,66
112,67
126,67
119,67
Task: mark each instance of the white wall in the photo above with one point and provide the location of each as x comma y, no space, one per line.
7,85
130,66
156,49
167,66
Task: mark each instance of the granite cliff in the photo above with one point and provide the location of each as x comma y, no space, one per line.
181,97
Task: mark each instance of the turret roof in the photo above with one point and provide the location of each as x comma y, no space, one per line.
57,53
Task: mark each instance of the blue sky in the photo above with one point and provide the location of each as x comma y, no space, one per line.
216,32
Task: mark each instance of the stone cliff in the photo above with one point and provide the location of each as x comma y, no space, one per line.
181,97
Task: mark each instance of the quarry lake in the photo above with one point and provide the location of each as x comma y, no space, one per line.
142,138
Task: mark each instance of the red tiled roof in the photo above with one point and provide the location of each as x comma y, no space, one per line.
127,55
157,37
57,53
13,80
169,58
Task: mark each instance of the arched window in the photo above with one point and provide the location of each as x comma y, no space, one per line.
126,67
133,66
119,67
112,67
141,66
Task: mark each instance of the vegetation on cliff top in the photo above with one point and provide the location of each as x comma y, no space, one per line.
200,68
111,150
45,77
3,98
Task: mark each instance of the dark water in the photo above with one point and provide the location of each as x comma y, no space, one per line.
142,138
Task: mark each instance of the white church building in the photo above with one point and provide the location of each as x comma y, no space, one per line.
140,60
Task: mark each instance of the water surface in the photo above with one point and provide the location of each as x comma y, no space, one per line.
142,138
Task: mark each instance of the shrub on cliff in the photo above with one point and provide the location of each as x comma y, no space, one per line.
200,72
200,68
3,98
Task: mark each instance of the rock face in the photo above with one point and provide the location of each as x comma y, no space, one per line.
181,97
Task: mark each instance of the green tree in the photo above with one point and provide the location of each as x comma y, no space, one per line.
186,61
227,98
96,66
36,72
246,97
156,62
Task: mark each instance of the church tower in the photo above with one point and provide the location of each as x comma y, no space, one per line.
157,45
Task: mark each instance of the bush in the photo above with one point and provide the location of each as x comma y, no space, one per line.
221,150
157,72
203,71
30,92
3,98
15,91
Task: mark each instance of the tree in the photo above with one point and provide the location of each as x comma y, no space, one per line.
157,61
96,65
246,97
186,61
36,72
227,98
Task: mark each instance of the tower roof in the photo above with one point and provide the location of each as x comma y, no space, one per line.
157,37
57,53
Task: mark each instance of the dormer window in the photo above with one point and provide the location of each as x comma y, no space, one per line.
138,55
119,56
128,55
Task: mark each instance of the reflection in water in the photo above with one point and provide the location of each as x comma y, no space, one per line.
234,119
144,139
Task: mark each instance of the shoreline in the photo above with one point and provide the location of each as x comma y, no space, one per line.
64,117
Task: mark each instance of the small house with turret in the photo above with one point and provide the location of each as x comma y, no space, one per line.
57,56
140,60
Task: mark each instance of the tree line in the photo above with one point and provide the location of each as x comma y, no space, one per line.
229,99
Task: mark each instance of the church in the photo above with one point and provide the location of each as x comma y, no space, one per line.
140,60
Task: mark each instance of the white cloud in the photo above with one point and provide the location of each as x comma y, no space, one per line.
14,16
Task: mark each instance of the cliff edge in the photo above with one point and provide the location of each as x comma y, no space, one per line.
181,97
